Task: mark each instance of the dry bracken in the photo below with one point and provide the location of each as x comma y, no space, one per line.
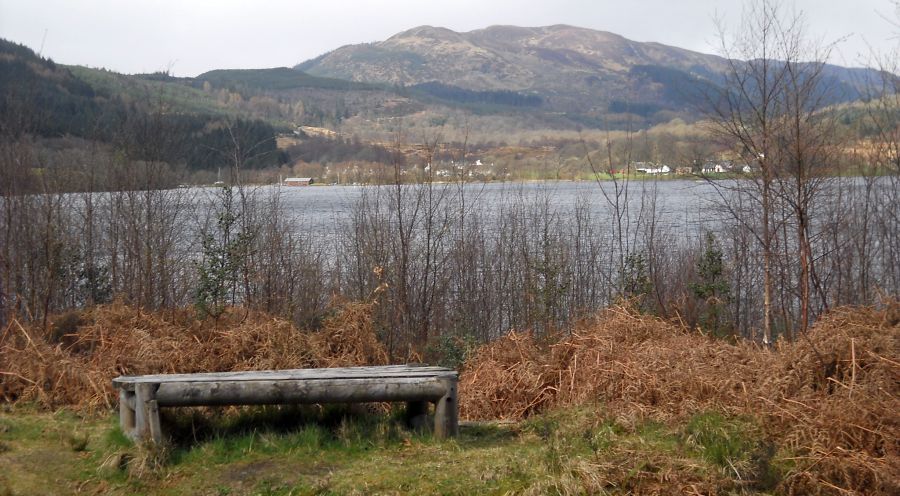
832,397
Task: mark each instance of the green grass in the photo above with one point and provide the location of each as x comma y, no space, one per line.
736,446
716,439
305,451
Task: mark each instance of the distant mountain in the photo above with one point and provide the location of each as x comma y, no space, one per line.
569,69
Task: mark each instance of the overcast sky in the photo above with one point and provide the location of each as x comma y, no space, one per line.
189,37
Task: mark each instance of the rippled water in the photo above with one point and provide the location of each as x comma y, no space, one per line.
682,205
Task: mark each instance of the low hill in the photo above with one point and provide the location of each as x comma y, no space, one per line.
144,117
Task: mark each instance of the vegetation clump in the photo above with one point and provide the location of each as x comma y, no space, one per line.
118,339
829,400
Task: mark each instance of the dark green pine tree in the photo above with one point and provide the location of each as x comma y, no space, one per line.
712,287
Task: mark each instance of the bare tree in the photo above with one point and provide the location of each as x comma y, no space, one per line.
883,113
760,112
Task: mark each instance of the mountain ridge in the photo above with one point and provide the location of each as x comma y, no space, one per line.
571,69
503,45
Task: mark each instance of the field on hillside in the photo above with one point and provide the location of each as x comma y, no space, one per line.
625,404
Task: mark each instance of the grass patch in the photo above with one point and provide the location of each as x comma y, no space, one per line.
736,445
717,439
21,428
305,451
115,438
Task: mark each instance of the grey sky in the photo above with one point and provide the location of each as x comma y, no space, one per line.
193,36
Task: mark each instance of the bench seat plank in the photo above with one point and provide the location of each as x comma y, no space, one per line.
128,382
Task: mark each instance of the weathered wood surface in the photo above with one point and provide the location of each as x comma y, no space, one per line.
140,397
128,382
446,412
300,391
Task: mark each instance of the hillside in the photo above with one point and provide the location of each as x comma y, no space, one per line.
580,71
274,79
36,93
143,117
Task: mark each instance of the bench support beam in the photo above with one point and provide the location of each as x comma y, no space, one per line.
283,392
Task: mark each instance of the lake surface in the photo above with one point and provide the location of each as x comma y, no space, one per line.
687,206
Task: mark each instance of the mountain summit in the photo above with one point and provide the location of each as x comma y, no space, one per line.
570,69
562,64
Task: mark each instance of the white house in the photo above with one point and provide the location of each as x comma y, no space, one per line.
654,169
717,167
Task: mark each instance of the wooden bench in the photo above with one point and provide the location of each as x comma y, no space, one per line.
141,397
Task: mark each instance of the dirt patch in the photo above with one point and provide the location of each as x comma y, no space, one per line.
244,472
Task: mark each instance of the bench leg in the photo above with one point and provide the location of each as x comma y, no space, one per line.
156,433
416,414
446,413
126,412
147,425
